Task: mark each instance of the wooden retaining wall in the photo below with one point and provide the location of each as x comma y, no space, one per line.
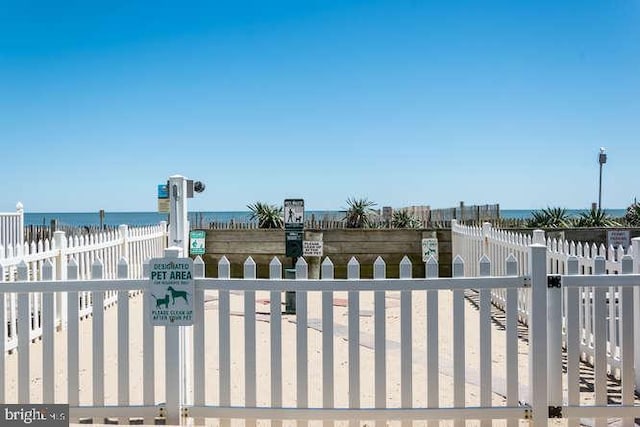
339,245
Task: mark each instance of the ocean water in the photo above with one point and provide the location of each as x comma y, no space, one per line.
77,219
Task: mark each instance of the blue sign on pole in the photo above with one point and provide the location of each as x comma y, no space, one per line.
163,191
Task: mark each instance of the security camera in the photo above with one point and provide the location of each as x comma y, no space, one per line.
198,186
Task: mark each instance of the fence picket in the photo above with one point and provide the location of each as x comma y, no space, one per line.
327,340
379,272
250,339
97,272
48,338
302,352
511,326
224,334
123,339
406,341
627,348
600,343
353,296
485,339
73,337
459,379
24,339
198,372
433,363
275,273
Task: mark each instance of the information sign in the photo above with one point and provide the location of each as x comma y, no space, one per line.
617,238
164,205
293,213
171,289
196,242
312,248
429,248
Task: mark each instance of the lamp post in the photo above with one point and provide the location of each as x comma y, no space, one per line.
602,159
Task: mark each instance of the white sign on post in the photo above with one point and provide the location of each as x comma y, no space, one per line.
172,289
617,238
293,213
429,248
312,248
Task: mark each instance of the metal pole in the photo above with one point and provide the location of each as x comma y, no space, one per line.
600,189
602,159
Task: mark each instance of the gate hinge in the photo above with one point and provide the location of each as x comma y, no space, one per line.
161,412
555,411
184,412
554,281
526,281
528,414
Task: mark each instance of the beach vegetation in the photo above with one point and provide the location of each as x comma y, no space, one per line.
268,216
595,218
403,219
359,212
632,215
549,217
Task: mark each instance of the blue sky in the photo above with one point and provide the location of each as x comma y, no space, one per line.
403,102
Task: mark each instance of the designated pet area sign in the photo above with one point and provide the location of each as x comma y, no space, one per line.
171,289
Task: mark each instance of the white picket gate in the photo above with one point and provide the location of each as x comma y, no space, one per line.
401,313
400,360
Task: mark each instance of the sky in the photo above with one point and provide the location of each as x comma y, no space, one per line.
401,102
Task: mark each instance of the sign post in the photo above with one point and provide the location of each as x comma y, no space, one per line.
294,236
171,291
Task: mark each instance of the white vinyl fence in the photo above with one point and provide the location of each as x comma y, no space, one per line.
591,301
405,346
12,227
431,378
36,260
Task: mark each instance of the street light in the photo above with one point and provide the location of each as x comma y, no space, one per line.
602,159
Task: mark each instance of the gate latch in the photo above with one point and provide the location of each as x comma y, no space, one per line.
554,281
555,411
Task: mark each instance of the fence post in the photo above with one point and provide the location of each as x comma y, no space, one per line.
20,230
178,222
173,367
538,237
486,231
538,392
635,244
123,229
60,245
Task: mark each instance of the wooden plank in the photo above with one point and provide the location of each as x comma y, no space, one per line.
224,348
